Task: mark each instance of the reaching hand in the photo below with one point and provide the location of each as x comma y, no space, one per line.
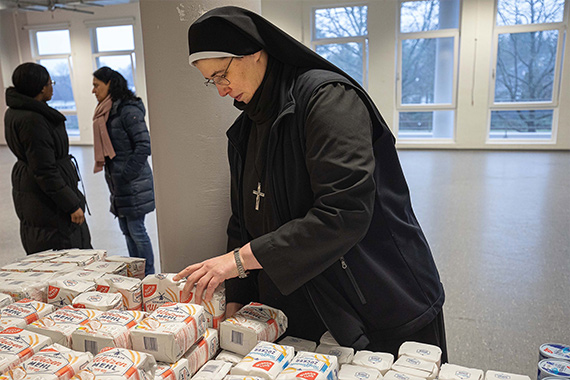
78,217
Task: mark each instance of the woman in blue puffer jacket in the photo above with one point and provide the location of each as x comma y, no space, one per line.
122,147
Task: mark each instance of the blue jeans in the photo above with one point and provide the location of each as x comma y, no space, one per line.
138,241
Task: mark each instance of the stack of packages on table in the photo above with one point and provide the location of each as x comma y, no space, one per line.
83,315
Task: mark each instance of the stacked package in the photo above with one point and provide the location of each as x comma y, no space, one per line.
354,372
299,344
135,265
159,289
78,258
310,365
17,345
129,288
99,301
119,364
215,308
456,372
379,361
266,360
5,300
63,291
169,331
203,350
176,371
213,370
23,312
110,329
416,361
252,323
108,267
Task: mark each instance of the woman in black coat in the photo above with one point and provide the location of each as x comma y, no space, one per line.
44,179
122,147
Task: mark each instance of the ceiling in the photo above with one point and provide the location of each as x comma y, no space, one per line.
83,6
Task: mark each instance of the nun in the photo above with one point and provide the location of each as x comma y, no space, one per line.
321,224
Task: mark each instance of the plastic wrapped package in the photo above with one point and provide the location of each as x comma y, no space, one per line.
213,370
24,312
129,288
119,364
5,300
310,365
266,360
19,290
56,267
215,308
83,275
25,266
99,301
159,289
203,350
77,259
230,357
98,254
108,267
41,257
62,292
176,371
17,345
135,265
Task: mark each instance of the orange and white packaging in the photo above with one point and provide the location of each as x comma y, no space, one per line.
176,371
213,370
98,301
215,308
98,254
135,265
422,351
17,345
61,292
5,300
252,323
19,266
241,377
108,267
110,329
53,362
60,324
310,365
51,267
416,367
24,312
84,275
159,289
77,259
203,350
343,354
129,288
19,290
119,364
382,361
169,331
266,360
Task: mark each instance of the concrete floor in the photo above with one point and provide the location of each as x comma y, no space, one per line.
498,224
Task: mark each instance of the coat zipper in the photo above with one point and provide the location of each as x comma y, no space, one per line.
345,267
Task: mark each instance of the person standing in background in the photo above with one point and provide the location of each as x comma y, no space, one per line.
44,179
122,147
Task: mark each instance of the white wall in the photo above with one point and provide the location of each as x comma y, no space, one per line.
16,49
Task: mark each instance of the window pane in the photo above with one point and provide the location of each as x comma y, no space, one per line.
72,125
120,63
421,16
521,124
347,56
421,125
516,12
58,69
115,38
341,22
525,66
427,70
53,42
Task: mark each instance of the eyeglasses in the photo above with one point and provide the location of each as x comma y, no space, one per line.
219,80
52,82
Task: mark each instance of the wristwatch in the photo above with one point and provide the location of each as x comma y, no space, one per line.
239,265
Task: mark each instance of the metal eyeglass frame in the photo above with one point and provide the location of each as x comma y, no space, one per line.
220,80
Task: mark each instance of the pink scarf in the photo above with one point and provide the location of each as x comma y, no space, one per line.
102,145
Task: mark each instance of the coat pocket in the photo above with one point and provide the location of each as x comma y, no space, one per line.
348,272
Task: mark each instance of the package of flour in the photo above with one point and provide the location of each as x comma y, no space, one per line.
343,354
203,350
356,372
169,331
17,345
176,371
56,267
98,301
310,365
84,275
455,372
382,361
53,362
213,370
25,310
266,360
215,308
120,364
135,265
230,357
5,300
129,288
423,351
299,344
393,375
42,257
242,377
20,266
108,267
159,289
77,259
60,324
98,254
23,289
61,292
416,367
252,323
110,329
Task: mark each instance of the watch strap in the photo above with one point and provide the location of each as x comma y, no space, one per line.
239,265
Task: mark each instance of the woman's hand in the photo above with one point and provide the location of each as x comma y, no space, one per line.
78,217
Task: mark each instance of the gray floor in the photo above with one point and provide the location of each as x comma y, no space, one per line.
499,227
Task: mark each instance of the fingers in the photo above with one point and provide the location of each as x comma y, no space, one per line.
187,271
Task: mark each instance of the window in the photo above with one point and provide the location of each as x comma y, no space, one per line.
52,49
114,46
340,35
526,73
427,69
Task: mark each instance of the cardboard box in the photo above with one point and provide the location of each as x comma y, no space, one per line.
26,310
61,292
159,289
129,288
135,265
252,323
203,350
98,301
17,345
169,331
108,267
266,360
60,324
120,364
176,371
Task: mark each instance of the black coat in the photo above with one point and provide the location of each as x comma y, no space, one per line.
346,233
44,179
128,174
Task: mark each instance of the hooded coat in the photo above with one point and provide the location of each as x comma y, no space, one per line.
44,179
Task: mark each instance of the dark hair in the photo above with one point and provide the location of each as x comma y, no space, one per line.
118,87
30,78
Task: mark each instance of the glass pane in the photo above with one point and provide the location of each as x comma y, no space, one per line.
427,70
420,16
62,90
517,12
347,56
72,125
422,125
525,66
522,124
341,22
115,38
53,42
120,63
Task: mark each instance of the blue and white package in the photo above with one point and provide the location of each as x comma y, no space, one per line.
554,351
310,365
266,360
555,368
